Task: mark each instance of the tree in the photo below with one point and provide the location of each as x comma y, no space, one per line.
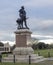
34,46
51,46
13,47
34,43
41,45
1,44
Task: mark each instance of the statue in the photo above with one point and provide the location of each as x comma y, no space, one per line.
22,15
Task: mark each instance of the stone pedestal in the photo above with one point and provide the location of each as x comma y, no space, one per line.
23,38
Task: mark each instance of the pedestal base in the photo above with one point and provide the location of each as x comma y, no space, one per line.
23,51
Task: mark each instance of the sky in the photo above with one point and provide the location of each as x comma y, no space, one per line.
40,22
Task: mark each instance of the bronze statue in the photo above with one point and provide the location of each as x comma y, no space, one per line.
22,15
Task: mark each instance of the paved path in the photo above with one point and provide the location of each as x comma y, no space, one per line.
50,58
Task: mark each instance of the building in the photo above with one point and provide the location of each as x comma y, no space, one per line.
4,47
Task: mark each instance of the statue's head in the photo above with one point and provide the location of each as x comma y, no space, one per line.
22,7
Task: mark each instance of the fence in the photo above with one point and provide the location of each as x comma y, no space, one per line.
14,59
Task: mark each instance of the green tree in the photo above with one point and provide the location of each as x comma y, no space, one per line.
41,45
1,44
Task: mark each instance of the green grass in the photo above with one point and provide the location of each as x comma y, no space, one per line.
45,63
40,63
4,55
45,52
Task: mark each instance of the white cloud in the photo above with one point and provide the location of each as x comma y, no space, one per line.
10,42
43,36
47,41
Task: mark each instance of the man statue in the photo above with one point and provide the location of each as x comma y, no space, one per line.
22,14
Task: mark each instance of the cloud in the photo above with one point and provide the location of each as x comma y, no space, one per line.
45,24
38,3
46,36
40,23
41,26
43,37
7,36
47,41
11,43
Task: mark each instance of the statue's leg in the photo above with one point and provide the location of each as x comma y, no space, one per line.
26,24
18,26
22,24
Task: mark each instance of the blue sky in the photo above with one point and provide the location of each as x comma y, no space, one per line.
40,13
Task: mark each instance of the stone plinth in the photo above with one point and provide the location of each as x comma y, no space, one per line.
23,37
23,51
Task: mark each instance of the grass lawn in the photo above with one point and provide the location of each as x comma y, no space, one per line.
45,52
41,63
